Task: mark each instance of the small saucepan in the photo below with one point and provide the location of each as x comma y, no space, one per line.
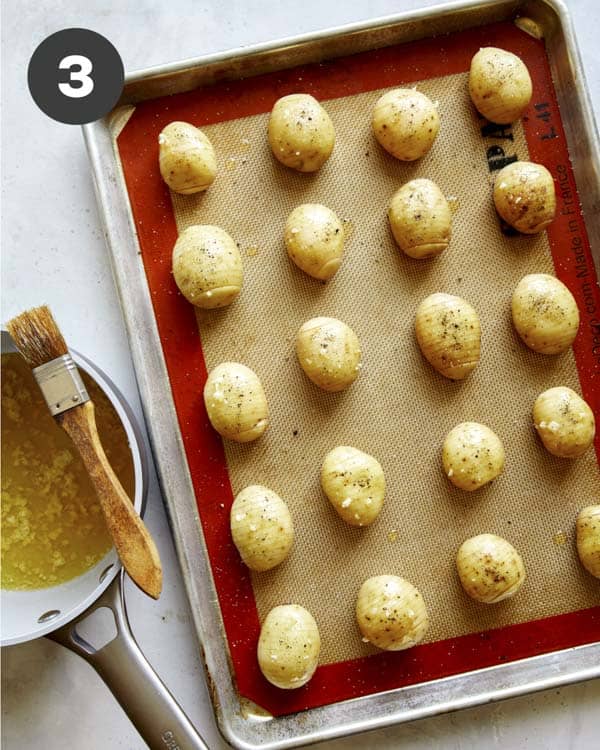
56,611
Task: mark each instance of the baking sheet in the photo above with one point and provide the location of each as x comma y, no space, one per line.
156,240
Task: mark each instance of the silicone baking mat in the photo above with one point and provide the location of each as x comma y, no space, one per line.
399,409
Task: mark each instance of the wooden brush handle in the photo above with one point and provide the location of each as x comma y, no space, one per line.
132,540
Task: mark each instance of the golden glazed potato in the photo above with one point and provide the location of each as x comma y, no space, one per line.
499,84
354,484
261,527
314,239
391,613
236,402
588,539
405,123
524,196
329,353
288,647
301,134
472,456
564,422
449,335
187,158
207,266
545,313
490,568
420,218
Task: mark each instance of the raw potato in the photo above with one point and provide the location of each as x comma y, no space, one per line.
420,218
329,353
472,456
524,196
490,568
354,484
288,647
405,123
301,134
449,334
236,402
187,158
207,266
314,239
588,539
391,613
499,84
564,422
545,313
261,527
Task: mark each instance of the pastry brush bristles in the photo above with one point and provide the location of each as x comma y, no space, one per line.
37,336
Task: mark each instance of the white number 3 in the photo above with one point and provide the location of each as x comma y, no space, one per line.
82,76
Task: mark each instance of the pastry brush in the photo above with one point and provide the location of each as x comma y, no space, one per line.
41,343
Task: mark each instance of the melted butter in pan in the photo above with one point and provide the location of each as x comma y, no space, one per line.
53,529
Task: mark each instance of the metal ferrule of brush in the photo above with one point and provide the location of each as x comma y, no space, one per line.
61,384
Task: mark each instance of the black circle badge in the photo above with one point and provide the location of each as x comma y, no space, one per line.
75,76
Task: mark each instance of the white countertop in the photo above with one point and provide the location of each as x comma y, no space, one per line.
54,252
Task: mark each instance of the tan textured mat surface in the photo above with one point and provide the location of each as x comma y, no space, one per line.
399,409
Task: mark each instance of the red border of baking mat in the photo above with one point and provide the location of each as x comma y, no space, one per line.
157,232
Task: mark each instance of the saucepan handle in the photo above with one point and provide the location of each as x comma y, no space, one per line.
126,672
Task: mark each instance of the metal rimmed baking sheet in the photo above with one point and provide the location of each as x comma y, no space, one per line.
150,367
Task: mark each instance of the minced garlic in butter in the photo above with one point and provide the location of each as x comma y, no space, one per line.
53,529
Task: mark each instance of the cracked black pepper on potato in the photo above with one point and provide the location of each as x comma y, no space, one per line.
391,613
420,219
235,402
545,313
261,527
405,123
564,422
300,132
525,197
499,84
472,456
187,159
314,240
489,568
449,334
354,484
289,646
207,266
329,353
